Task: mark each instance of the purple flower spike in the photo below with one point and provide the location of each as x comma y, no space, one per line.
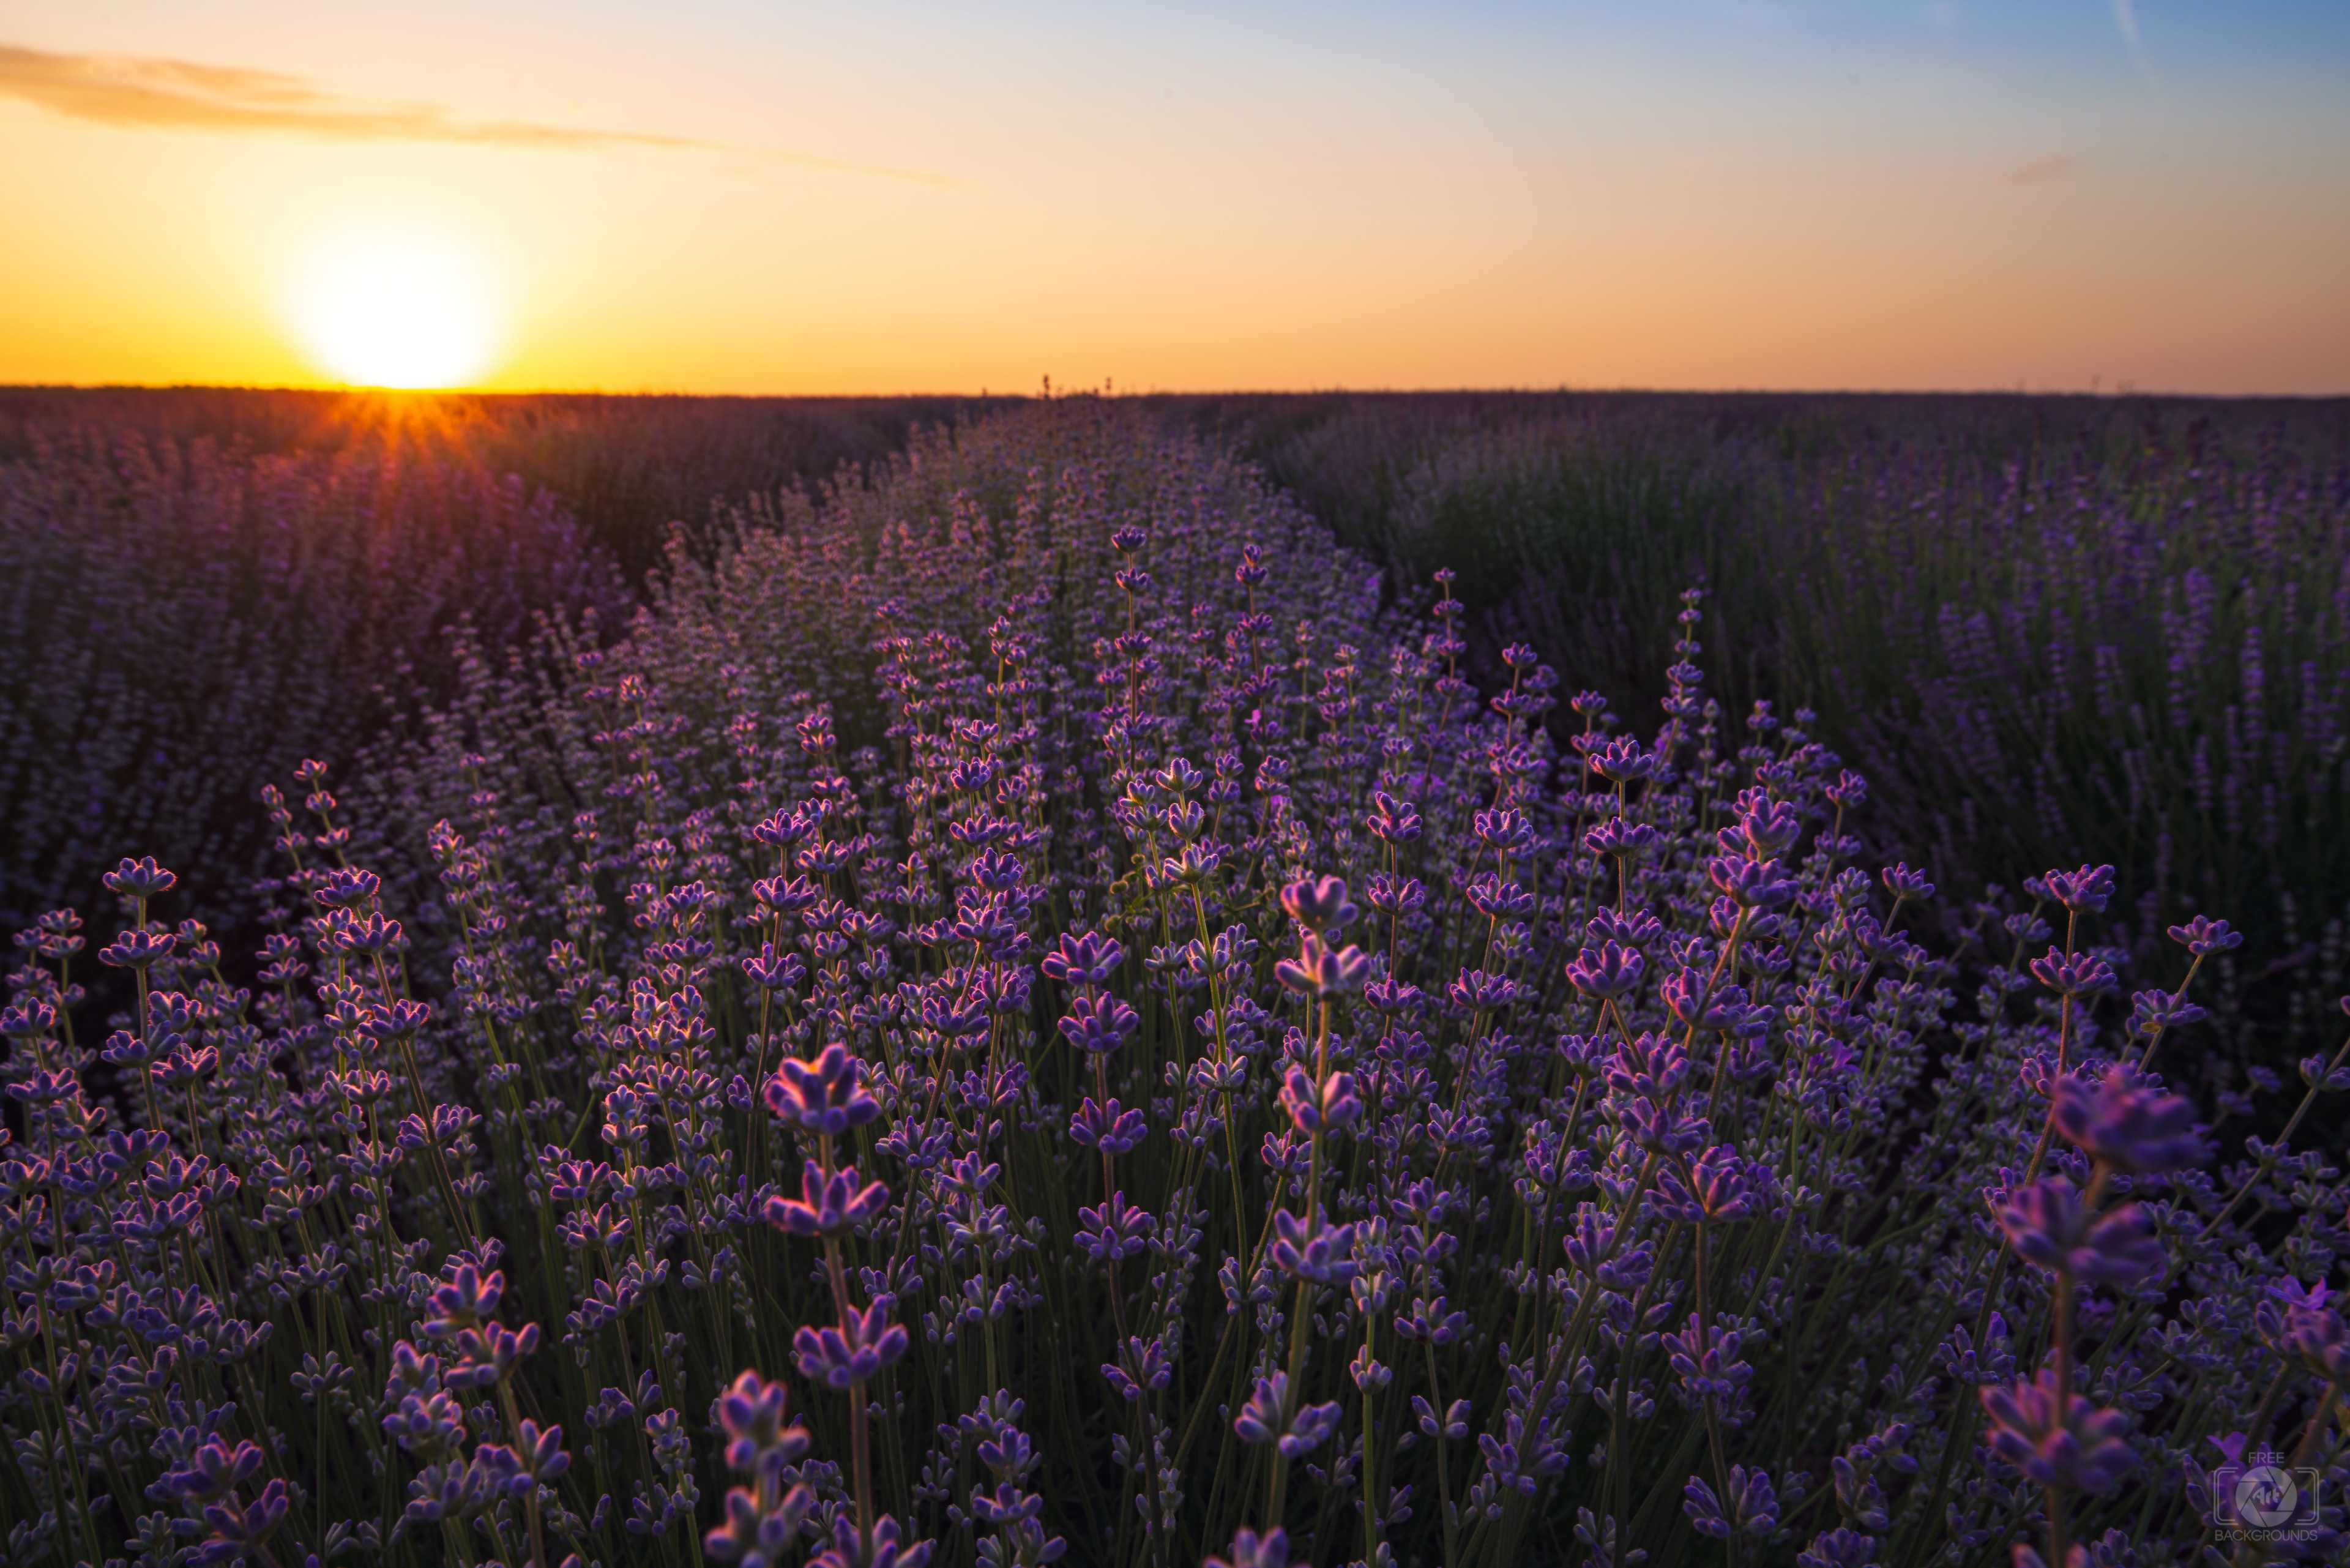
1651,1066
137,950
1392,821
1335,1107
1318,903
1321,972
1264,1419
2082,974
237,1533
542,1453
1710,1373
826,1206
1750,884
750,1412
1106,1127
1251,1551
2152,1012
1313,1423
1089,959
1620,839
1621,761
754,1539
1838,1548
215,1471
467,1300
1714,1192
1098,1023
2047,1226
862,1346
2203,936
2085,891
1904,883
489,1355
824,1095
2126,1122
1685,993
2326,1079
2318,1335
784,828
2078,1448
1142,1367
1113,1232
368,936
346,888
1326,1258
890,1548
1611,970
1765,828
1261,1416
139,879
1753,1506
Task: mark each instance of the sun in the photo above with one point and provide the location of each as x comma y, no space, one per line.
395,315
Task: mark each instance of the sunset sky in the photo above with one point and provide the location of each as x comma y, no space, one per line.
758,196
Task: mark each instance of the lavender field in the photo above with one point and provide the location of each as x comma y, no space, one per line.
1158,981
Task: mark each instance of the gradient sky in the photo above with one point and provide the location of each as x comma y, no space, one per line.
759,196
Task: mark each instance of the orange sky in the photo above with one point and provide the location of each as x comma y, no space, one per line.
723,196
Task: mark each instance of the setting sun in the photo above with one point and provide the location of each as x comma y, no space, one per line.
395,316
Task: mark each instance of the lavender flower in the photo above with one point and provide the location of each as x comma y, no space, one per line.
824,1096
1837,1547
852,1352
2067,1443
1251,1551
1611,970
1107,1127
1321,1253
2203,936
1265,1418
2047,1224
1335,1106
1324,973
1098,1023
1320,904
2085,891
2073,975
2124,1123
890,1548
828,1205
1753,1508
1715,1190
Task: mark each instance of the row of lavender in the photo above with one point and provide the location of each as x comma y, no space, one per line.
1018,1016
2047,629
199,587
179,623
2146,659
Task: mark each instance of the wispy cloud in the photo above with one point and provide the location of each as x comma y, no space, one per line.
2125,23
2039,171
143,94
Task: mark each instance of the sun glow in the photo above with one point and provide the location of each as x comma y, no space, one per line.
395,315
